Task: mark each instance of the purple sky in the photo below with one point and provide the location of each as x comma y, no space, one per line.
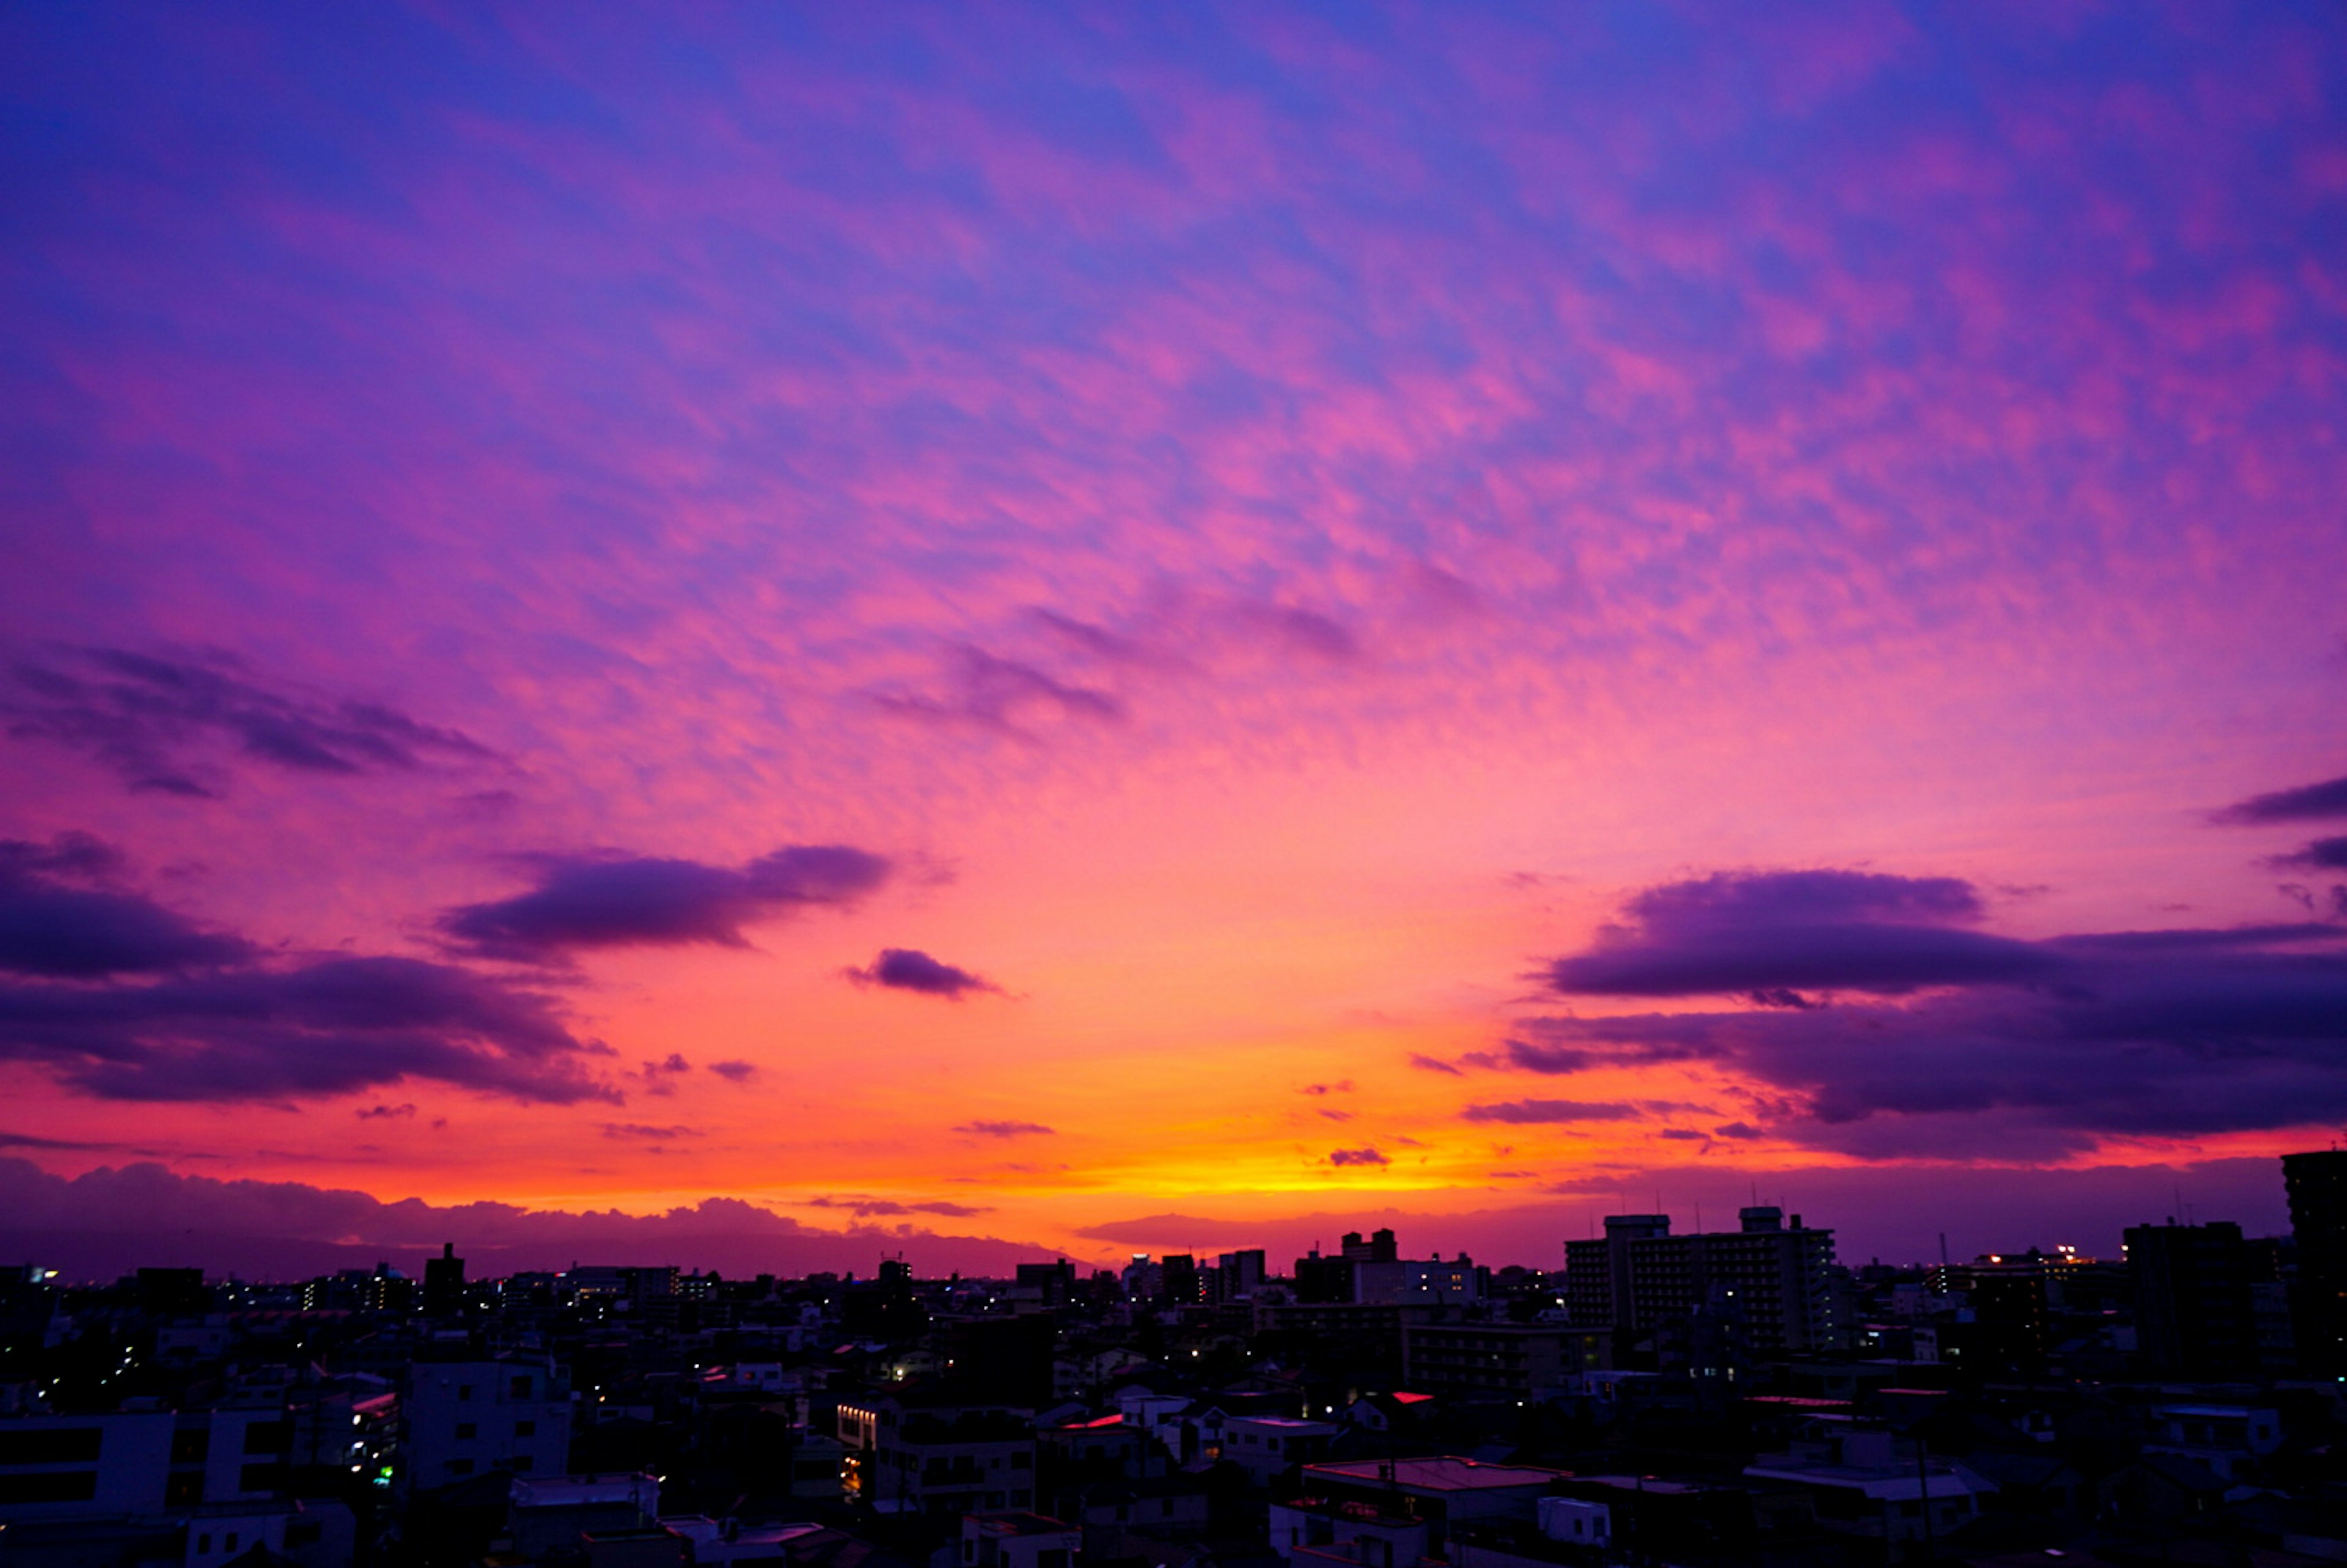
1080,630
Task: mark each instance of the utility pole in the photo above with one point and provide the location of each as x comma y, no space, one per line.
1923,1492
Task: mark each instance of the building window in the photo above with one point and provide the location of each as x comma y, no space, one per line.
467,1430
464,1391
54,1446
460,1467
521,1386
525,1428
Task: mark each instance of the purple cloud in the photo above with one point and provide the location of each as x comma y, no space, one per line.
2195,1035
1003,1128
1774,935
1553,1060
735,1072
51,929
327,1026
1426,1063
588,903
2322,854
2305,804
142,714
1541,1111
911,969
1357,1157
1294,630
864,1207
1002,695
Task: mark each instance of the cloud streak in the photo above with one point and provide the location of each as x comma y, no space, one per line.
582,904
54,930
319,1027
1773,935
911,969
1526,1112
2306,802
1003,1128
147,716
2051,1047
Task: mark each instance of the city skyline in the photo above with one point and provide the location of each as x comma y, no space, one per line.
1018,635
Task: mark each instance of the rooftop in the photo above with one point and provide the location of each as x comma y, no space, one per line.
1018,1521
1445,1474
700,1527
572,1490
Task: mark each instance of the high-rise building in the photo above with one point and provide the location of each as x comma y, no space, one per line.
444,1283
1243,1273
2193,1313
1054,1282
1178,1279
2317,1184
467,1418
1777,1280
1322,1280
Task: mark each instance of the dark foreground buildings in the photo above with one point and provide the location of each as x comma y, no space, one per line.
1693,1399
2317,1186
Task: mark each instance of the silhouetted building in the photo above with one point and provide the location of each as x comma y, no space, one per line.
2011,1305
1774,1281
2193,1317
460,1418
1055,1282
1369,1260
1242,1272
172,1290
1178,1279
1004,1358
2317,1184
383,1289
885,1308
444,1283
1500,1360
1323,1280
941,1456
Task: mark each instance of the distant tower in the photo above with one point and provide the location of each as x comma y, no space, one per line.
444,1283
2317,1184
2194,1316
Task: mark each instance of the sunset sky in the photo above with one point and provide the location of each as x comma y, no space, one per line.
1137,628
